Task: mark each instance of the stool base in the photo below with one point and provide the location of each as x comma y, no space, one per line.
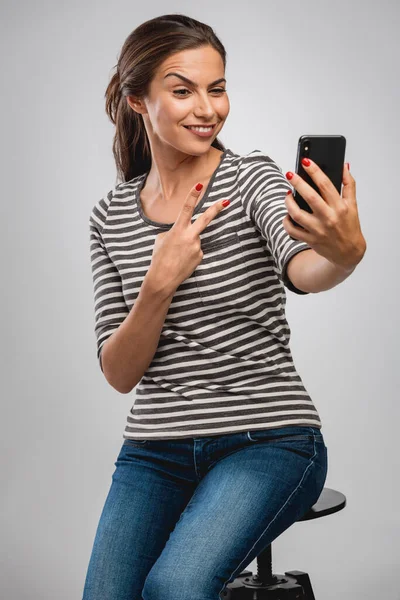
294,585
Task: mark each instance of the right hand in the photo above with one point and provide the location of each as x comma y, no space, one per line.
177,252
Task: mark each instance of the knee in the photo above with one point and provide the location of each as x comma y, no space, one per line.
158,588
178,586
158,585
163,587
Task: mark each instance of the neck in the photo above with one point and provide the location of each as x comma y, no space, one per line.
170,174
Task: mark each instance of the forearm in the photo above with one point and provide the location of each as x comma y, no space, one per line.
311,272
129,351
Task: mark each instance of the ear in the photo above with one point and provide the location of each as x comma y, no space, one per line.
136,104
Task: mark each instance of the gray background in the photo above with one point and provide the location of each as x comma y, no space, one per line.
293,68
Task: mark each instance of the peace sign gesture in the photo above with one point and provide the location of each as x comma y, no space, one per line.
333,229
177,252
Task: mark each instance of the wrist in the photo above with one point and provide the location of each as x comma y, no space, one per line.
354,257
157,285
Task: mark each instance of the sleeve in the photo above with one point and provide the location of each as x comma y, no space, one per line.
264,190
110,308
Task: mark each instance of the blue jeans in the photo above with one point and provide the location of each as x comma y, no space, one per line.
184,517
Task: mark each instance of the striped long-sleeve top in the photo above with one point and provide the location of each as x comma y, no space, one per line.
223,362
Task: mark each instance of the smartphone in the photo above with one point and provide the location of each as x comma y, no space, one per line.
327,151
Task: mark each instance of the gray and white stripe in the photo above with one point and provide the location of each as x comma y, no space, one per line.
223,363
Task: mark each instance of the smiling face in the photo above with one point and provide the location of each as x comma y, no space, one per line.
174,102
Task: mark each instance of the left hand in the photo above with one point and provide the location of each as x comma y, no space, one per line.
333,230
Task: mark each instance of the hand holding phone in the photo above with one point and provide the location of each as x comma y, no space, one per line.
333,230
327,151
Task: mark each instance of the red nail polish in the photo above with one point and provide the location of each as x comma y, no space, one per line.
289,175
305,162
199,187
226,202
288,192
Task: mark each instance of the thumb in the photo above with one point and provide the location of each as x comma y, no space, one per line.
349,185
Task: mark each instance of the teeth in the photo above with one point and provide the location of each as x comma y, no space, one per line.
201,128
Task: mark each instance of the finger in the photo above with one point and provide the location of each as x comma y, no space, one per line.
319,207
327,195
296,233
302,217
201,223
186,213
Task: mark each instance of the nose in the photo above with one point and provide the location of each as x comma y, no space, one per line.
204,107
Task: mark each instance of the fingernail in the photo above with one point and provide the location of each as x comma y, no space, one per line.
305,162
348,166
289,175
288,192
199,187
226,202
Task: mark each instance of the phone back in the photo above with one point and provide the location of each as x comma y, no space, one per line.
328,152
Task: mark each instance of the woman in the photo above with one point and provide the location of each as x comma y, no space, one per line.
223,448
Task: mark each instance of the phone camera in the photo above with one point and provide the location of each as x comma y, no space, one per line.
306,148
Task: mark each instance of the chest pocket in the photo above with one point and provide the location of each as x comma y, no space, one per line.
221,277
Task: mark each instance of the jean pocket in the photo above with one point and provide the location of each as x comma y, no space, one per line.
137,443
222,275
287,431
301,442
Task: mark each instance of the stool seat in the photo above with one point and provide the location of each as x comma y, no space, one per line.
295,584
329,502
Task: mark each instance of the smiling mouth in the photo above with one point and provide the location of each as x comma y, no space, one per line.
205,126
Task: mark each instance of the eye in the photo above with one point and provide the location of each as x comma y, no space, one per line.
215,90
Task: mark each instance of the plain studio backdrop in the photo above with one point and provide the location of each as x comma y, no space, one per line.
293,68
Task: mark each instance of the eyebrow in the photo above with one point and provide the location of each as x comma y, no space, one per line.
196,85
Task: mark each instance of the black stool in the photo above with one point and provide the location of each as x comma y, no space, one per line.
295,584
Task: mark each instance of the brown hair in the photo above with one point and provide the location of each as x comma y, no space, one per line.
142,53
